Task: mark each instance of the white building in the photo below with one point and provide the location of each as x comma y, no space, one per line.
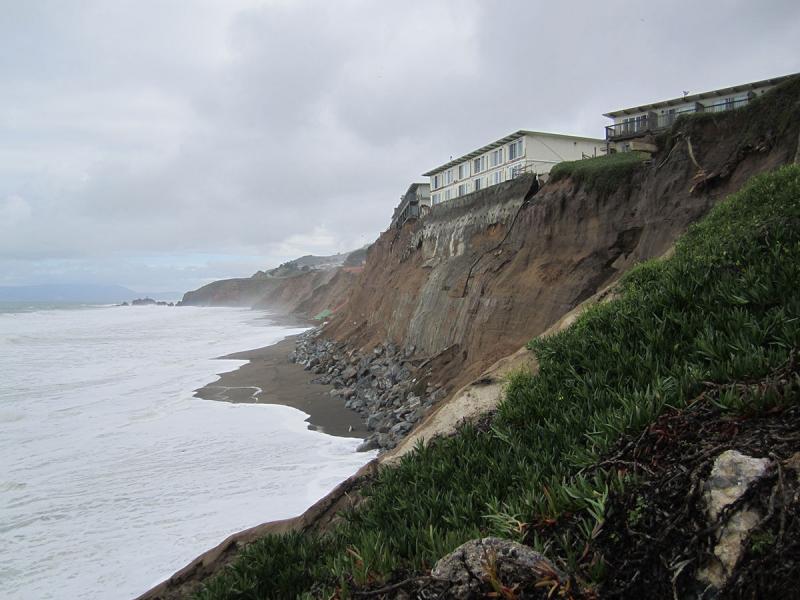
638,121
508,157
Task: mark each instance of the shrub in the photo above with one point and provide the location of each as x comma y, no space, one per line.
603,174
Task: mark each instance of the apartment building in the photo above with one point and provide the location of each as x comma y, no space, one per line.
520,152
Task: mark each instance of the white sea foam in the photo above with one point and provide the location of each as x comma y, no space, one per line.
112,475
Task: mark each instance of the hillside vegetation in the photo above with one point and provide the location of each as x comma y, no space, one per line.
724,308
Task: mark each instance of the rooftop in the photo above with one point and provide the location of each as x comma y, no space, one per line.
744,87
504,140
413,188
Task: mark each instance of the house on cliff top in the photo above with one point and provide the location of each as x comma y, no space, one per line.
509,157
414,204
641,121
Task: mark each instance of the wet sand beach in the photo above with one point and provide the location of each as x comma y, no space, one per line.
269,378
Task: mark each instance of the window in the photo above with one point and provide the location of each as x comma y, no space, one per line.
497,157
463,171
448,177
515,149
436,181
463,189
497,177
479,164
477,183
447,195
435,198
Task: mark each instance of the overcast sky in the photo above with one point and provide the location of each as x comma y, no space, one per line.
163,144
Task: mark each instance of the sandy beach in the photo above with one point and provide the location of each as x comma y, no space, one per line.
269,378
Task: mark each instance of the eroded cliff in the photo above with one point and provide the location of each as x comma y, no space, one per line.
482,275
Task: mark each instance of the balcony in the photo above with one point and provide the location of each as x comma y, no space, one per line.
653,122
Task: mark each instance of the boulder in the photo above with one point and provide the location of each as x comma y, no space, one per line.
371,443
400,428
374,420
468,572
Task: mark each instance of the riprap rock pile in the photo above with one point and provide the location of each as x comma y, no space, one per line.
387,386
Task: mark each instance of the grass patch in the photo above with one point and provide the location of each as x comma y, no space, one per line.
724,308
603,174
767,116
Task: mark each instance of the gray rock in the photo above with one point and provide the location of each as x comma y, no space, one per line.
400,428
371,443
377,370
349,373
731,476
466,570
374,420
415,416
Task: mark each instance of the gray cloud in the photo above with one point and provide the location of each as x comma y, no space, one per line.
162,144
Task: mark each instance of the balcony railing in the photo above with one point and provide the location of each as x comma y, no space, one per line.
408,209
653,122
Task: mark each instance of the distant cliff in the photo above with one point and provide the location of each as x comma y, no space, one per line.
306,286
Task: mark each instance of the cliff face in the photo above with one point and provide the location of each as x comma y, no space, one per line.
481,276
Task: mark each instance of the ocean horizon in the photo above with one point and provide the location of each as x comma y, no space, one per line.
114,475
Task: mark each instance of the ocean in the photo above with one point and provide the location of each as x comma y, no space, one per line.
112,475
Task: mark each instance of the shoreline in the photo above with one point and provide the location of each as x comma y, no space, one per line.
269,378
